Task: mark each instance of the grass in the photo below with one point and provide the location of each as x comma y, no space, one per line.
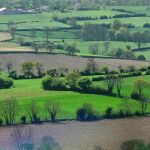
137,21
137,9
128,85
145,53
26,91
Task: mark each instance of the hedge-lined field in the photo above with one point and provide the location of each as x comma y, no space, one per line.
128,85
26,91
137,21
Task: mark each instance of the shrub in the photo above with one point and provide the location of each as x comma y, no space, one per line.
96,90
134,145
86,113
72,80
1,121
135,95
5,82
141,57
100,78
147,72
23,119
58,84
47,82
13,74
108,113
84,83
135,73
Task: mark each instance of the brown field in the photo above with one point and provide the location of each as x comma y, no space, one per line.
70,62
109,134
5,36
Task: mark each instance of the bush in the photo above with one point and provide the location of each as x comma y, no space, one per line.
13,74
5,82
135,73
1,121
23,119
72,80
100,78
58,84
49,83
147,72
141,57
135,95
86,113
108,113
84,83
95,90
134,145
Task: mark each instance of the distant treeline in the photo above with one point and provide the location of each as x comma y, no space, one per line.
62,5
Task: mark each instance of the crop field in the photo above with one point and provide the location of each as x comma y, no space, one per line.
5,36
108,134
61,61
66,33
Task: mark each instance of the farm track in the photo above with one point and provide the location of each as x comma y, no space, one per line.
109,134
70,62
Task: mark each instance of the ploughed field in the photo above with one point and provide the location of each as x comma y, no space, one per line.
62,61
109,134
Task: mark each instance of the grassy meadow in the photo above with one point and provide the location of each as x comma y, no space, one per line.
26,91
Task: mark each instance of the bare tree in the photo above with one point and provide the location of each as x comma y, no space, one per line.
106,46
33,112
126,105
36,46
110,82
52,109
48,143
91,66
40,69
9,110
47,31
119,85
50,47
33,34
144,103
22,138
9,66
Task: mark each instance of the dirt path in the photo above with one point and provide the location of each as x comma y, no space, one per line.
83,136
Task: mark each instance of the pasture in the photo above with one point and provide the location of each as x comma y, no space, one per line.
127,85
26,91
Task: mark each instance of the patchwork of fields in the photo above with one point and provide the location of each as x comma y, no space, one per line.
47,41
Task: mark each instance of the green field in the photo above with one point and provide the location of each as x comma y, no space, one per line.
26,91
145,53
137,21
128,85
137,9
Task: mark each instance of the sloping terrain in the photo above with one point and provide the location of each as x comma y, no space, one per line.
70,62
